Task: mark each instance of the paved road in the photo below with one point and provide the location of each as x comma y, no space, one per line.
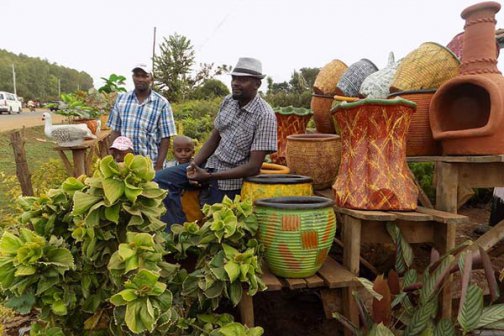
28,119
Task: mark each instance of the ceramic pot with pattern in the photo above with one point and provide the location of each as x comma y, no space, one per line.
277,185
297,233
373,173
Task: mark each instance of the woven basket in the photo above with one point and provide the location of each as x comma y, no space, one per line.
321,108
419,141
352,79
328,77
425,68
315,155
377,85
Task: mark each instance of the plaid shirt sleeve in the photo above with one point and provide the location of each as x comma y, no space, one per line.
166,122
265,138
114,120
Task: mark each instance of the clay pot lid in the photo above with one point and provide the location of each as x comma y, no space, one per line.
314,136
279,179
491,5
295,202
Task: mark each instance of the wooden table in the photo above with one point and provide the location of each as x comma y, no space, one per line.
453,172
82,159
331,279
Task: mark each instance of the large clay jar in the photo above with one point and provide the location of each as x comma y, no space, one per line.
321,107
290,120
419,141
297,233
467,111
315,155
266,186
373,173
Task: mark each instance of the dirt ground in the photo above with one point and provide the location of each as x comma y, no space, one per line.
300,312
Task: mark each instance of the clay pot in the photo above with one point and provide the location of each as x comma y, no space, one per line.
373,173
266,186
315,155
297,233
321,107
92,124
290,120
467,112
273,168
419,141
351,81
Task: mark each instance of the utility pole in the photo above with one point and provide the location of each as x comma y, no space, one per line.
14,79
153,51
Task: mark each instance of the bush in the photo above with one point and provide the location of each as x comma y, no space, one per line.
195,117
424,172
281,99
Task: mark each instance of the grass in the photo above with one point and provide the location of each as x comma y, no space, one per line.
37,153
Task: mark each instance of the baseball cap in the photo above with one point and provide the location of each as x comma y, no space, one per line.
122,143
143,66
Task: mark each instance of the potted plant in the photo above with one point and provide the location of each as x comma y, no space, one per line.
113,85
76,110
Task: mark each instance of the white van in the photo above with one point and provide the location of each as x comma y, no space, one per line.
9,103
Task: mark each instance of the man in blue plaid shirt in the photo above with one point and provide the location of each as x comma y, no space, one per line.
245,130
145,117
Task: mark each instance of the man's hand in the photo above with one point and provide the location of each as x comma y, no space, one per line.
196,174
158,167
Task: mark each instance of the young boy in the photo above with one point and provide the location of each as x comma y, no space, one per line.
120,147
183,150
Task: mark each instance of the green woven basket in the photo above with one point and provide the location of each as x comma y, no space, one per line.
297,233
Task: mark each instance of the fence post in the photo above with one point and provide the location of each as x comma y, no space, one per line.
22,171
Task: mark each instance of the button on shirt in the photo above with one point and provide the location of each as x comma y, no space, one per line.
244,129
145,124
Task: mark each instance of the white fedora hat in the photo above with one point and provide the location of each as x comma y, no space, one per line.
248,66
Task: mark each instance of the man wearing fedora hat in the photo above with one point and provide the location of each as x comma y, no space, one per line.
145,117
244,132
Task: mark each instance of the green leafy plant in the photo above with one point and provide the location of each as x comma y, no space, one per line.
114,83
410,307
76,107
90,259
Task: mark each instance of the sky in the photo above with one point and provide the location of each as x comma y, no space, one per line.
102,37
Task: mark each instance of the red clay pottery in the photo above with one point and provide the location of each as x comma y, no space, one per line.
314,155
373,173
467,111
419,141
321,107
290,120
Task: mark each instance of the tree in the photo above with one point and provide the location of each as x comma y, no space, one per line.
309,75
172,68
210,88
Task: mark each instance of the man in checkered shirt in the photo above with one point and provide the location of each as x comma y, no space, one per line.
145,117
245,130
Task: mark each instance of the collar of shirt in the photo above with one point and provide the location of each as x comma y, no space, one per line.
150,98
251,105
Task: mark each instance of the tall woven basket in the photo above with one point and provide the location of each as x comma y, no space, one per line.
426,67
328,77
314,155
419,141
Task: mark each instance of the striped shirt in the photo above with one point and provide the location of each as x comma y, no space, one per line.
242,130
145,124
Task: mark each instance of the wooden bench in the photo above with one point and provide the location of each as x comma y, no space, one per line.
330,279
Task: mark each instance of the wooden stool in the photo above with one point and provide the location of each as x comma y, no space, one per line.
421,226
331,279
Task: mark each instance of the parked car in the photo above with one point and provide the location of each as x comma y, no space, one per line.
55,105
9,103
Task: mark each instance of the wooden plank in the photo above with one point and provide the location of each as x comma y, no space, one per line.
331,301
491,237
66,162
473,158
337,276
443,216
487,175
246,307
314,281
270,280
295,283
446,186
413,232
444,240
363,261
351,238
328,193
412,216
367,214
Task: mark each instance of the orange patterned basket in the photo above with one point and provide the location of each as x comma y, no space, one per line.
419,141
426,67
328,77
